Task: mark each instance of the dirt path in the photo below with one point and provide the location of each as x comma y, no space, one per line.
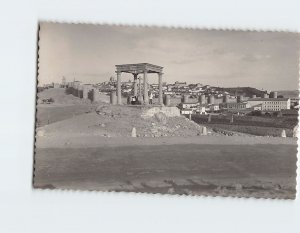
86,141
243,170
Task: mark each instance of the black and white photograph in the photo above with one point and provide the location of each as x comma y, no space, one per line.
163,110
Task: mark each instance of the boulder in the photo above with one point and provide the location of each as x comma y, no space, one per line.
161,117
40,133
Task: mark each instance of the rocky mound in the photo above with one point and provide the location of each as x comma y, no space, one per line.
119,121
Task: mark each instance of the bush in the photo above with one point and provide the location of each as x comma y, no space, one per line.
255,113
277,114
268,114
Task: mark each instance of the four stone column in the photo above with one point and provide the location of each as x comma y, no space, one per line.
135,91
119,97
146,97
160,95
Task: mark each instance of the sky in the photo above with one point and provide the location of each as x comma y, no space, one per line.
89,53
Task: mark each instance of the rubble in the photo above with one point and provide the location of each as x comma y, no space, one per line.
126,121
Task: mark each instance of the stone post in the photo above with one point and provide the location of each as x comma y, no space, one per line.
204,130
146,97
119,97
295,131
113,98
167,100
160,96
231,120
209,118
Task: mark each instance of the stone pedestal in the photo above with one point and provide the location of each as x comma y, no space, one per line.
167,100
113,98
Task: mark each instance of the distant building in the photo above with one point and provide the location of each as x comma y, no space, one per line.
214,107
186,108
270,104
188,105
63,82
180,84
169,93
257,107
56,85
235,106
186,111
206,87
201,109
154,86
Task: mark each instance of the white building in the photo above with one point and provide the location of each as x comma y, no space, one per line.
257,107
187,111
270,104
189,105
201,110
214,107
236,106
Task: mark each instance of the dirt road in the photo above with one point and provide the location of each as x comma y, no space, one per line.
238,170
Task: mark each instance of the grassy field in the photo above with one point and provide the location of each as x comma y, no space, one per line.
238,170
261,126
252,130
277,122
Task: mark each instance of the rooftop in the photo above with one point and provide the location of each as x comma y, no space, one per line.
268,99
139,68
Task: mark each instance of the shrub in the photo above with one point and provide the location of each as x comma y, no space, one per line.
255,113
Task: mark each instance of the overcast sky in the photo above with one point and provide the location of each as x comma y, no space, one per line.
89,53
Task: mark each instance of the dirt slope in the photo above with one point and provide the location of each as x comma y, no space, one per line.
118,121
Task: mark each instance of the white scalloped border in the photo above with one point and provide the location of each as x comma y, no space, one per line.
167,27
